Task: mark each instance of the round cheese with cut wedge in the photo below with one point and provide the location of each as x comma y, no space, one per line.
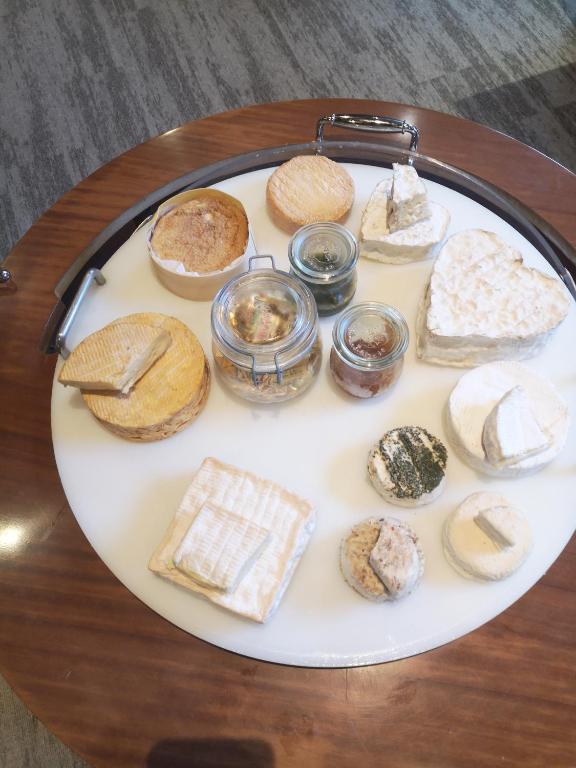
399,224
167,397
486,537
381,559
483,304
308,189
504,419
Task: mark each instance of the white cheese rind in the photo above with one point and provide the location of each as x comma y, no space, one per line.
483,304
408,198
472,552
477,393
289,518
511,432
219,548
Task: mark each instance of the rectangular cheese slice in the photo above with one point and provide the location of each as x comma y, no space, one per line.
289,518
408,198
220,547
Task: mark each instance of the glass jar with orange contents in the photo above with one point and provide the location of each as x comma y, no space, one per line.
369,342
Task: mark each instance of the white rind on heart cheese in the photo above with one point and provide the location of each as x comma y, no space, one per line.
486,537
483,304
478,393
408,198
418,237
511,432
407,466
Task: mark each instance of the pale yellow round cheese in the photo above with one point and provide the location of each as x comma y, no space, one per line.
309,189
169,395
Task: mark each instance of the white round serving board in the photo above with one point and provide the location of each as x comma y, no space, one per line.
125,494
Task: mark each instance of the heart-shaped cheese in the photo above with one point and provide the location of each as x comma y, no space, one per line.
483,304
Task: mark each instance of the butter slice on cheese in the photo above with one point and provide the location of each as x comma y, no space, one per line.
408,198
511,432
289,518
220,547
115,357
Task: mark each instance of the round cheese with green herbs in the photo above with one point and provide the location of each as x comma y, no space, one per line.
407,466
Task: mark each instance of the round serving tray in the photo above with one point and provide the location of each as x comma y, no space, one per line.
124,495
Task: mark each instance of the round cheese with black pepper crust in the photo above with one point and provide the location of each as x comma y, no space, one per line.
381,559
407,466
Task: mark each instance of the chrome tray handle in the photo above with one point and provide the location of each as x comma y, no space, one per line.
7,284
368,123
93,275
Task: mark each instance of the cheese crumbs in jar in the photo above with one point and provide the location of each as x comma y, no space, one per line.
265,335
369,342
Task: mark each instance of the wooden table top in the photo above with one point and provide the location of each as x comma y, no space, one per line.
121,685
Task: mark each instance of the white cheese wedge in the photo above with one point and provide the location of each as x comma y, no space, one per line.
408,198
499,524
474,534
397,559
289,518
483,304
220,547
511,432
474,399
413,243
381,559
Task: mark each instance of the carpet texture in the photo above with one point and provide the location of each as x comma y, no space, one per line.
81,82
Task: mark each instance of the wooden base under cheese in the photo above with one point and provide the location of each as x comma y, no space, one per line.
167,398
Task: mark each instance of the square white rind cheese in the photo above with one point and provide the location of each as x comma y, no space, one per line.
289,518
219,548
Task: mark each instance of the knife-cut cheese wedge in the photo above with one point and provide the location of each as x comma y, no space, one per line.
289,518
114,357
408,198
220,547
511,432
169,395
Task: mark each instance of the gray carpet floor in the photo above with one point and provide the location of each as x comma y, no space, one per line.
81,82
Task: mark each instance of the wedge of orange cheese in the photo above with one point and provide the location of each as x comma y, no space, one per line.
167,397
115,357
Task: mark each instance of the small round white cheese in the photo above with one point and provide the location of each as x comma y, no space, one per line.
486,537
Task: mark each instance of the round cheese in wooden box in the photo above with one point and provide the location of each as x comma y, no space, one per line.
169,395
198,240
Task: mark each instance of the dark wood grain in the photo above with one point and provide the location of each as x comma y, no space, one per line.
125,688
